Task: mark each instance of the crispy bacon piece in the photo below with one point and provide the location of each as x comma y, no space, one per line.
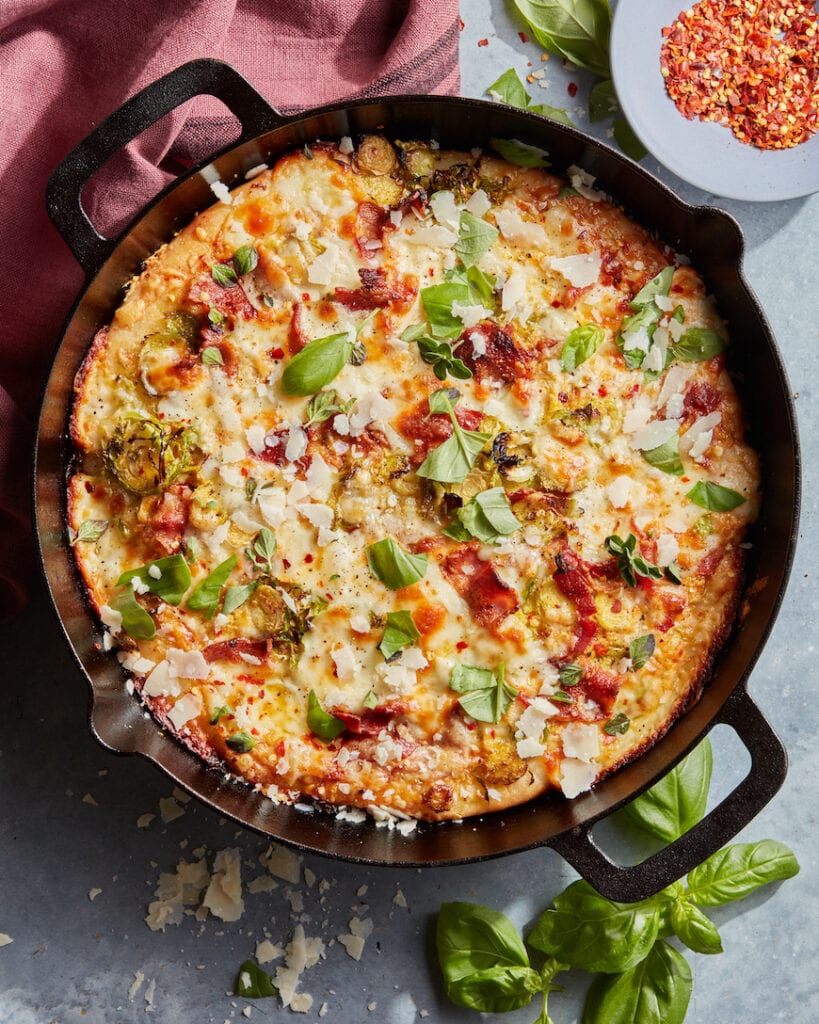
490,600
168,520
573,582
369,227
701,399
673,602
370,721
428,431
377,291
205,294
415,200
232,650
503,360
297,337
709,565
555,501
275,447
599,684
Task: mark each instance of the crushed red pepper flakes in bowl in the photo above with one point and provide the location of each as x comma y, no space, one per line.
751,65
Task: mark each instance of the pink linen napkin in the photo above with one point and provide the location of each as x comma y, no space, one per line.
65,65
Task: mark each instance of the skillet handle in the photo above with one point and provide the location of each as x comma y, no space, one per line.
197,77
767,773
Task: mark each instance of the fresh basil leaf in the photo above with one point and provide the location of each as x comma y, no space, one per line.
484,695
665,457
216,316
584,929
697,344
245,260
400,632
254,983
171,584
488,517
567,192
575,29
510,89
471,938
136,622
224,274
319,362
495,989
553,113
660,284
437,302
444,401
570,674
561,697
212,356
440,356
603,102
370,700
626,138
520,153
241,742
262,550
677,802
693,928
714,497
617,726
736,871
414,332
218,713
235,597
457,531
89,532
475,238
629,563
678,314
580,345
451,461
205,597
640,649
320,722
480,286
673,573
392,565
655,991
193,550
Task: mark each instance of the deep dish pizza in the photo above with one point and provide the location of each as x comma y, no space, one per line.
412,481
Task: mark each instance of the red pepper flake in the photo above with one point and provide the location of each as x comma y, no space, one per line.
752,65
483,42
285,563
572,89
462,645
277,353
308,558
461,25
523,37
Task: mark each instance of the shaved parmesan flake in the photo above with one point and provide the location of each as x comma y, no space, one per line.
667,549
169,809
266,951
302,953
580,270
654,434
576,776
322,269
478,344
619,491
581,741
283,863
444,209
224,894
582,181
111,618
478,203
186,708
515,229
346,145
359,624
221,191
529,747
296,444
344,659
470,316
514,290
255,435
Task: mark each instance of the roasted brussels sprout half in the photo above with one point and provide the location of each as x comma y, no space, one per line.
146,456
375,155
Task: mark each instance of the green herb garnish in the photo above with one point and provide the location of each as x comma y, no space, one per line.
392,565
630,564
399,633
212,356
254,983
170,579
451,461
485,696
89,532
205,597
580,345
640,650
487,517
320,723
714,497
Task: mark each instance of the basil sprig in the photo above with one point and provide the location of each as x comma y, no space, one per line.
697,344
630,564
235,597
488,517
400,632
714,497
580,345
171,583
451,461
244,260
254,983
324,405
520,153
485,695
641,978
241,742
205,597
320,722
261,551
483,959
395,567
647,314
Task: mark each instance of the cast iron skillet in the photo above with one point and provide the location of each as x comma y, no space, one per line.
714,243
